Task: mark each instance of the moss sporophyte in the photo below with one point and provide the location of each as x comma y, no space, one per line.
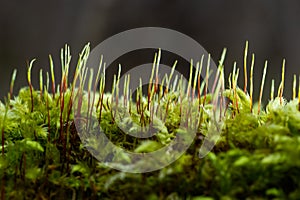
42,156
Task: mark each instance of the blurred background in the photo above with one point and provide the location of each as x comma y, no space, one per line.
35,29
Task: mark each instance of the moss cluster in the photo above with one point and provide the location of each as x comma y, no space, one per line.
256,157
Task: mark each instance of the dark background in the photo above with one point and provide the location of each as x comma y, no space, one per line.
34,29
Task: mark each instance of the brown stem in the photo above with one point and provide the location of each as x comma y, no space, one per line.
31,96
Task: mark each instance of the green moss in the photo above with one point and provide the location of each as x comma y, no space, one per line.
256,156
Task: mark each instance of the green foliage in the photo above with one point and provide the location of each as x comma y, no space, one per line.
42,157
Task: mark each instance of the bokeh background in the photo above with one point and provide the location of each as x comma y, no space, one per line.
35,29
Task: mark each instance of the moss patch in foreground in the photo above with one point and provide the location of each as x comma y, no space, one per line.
256,157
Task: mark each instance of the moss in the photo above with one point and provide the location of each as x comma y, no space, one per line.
43,157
